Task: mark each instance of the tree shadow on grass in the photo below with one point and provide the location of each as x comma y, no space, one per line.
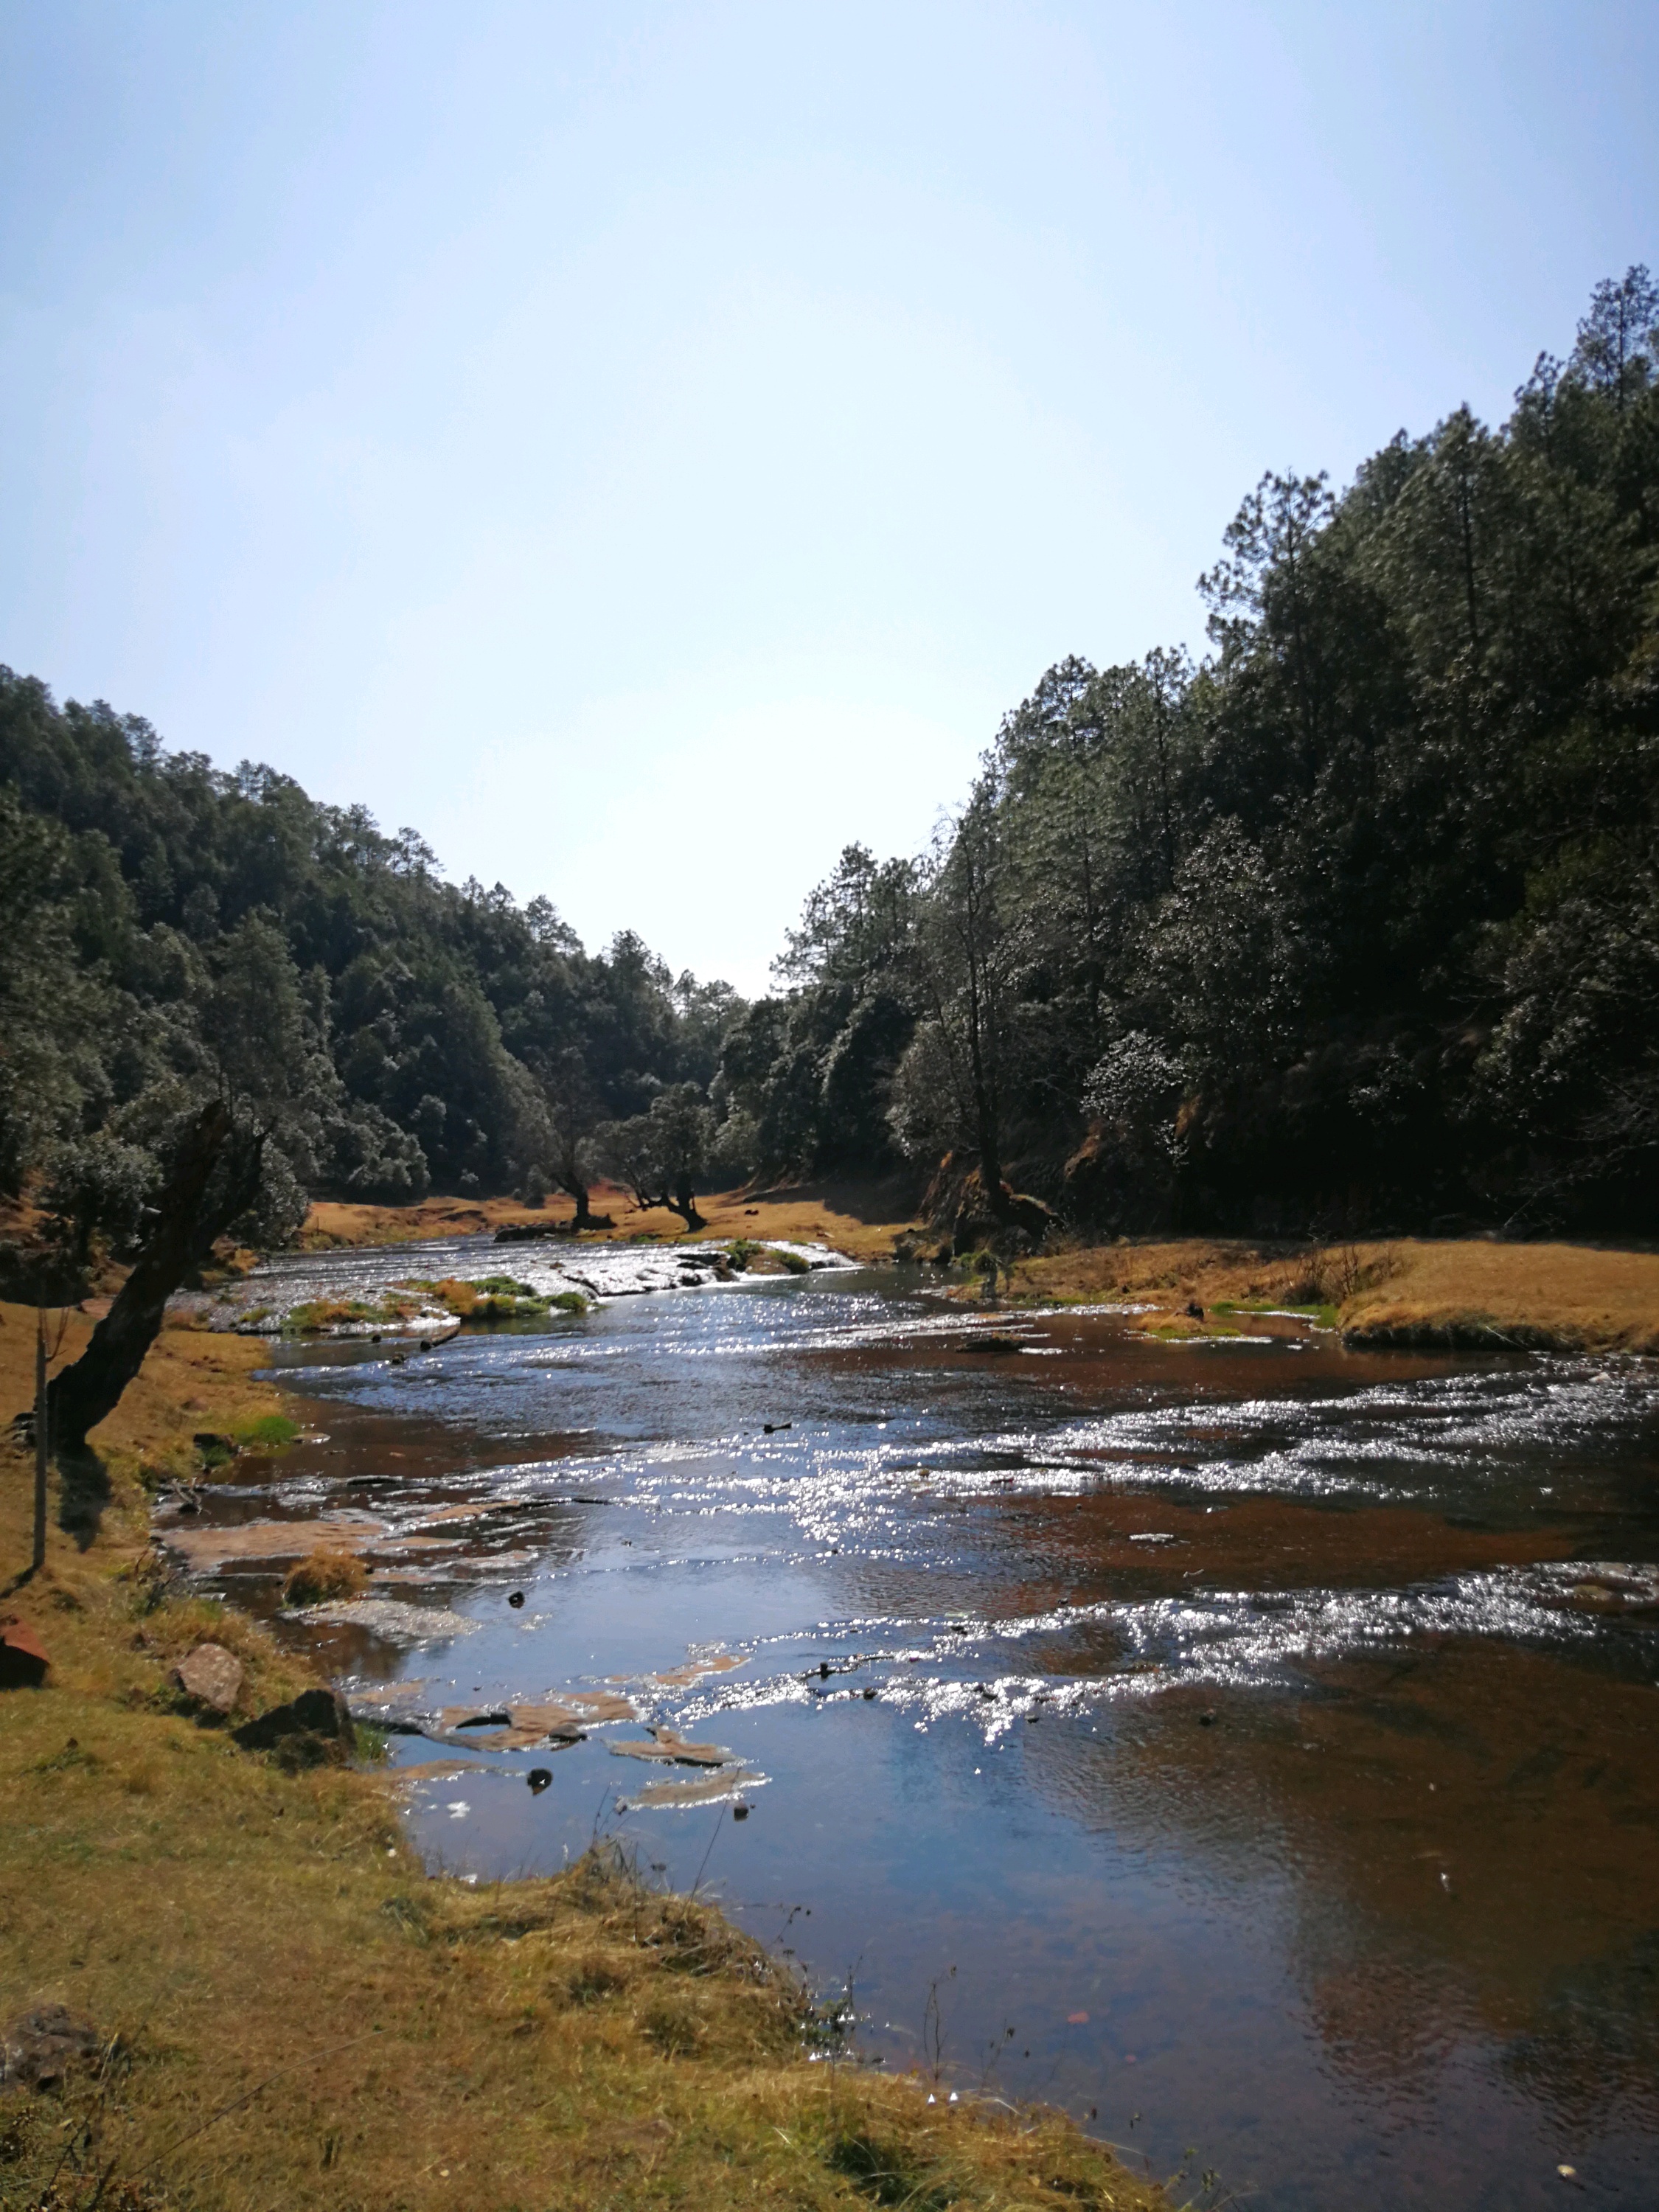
83,1493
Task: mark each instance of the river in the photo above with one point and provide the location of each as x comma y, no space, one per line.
1250,1745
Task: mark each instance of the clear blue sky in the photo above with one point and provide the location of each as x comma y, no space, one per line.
644,448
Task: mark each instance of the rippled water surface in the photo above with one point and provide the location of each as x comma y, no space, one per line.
1250,1745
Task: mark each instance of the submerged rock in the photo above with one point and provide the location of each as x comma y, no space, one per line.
666,1745
683,1677
709,1790
207,1548
398,1623
551,1723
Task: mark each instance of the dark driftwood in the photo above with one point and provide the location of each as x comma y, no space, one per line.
190,1215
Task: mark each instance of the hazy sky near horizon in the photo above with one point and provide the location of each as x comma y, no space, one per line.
645,447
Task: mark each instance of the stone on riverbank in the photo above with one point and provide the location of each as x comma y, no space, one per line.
212,1676
314,1729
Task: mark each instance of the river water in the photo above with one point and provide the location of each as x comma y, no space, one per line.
1250,1745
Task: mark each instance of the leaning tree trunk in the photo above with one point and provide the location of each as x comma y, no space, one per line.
685,1205
190,1218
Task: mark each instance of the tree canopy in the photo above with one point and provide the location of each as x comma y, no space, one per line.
1356,920
173,932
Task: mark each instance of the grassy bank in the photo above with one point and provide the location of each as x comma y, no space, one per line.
290,2013
1468,1294
861,1219
1464,1293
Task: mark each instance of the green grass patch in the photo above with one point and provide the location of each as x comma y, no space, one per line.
318,1315
270,1432
486,1298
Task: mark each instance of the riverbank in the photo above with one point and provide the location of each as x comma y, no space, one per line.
284,2010
860,1219
1466,1294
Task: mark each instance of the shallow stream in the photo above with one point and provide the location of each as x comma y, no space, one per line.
1250,1745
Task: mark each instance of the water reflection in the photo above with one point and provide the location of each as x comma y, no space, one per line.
1264,1735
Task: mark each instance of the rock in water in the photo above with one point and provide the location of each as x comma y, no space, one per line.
667,1744
212,1676
314,1729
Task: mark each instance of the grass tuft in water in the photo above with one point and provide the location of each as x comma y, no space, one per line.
323,1576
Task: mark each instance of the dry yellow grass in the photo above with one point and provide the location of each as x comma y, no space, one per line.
332,1222
1570,1295
190,1382
1468,1293
295,2016
322,1575
1168,1273
861,1219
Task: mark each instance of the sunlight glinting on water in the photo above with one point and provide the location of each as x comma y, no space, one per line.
1186,1686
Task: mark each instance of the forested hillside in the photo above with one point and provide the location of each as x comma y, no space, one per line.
171,932
1356,923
